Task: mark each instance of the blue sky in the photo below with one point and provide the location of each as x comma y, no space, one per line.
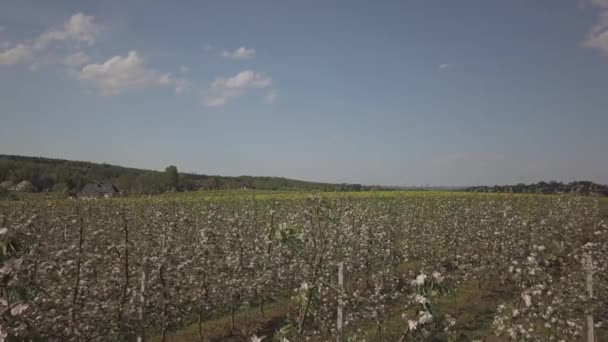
392,92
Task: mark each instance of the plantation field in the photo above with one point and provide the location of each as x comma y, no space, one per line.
225,265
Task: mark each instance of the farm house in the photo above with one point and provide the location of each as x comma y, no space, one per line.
98,190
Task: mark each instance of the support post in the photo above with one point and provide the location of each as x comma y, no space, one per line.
589,283
340,319
142,303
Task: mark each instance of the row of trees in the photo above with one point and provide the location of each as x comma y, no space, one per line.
118,270
552,187
70,176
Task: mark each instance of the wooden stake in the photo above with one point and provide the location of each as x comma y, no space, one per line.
589,283
340,321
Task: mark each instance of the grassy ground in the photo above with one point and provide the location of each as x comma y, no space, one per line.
280,194
246,324
267,194
473,304
604,208
232,195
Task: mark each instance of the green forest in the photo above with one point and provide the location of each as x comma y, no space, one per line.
552,187
69,177
66,176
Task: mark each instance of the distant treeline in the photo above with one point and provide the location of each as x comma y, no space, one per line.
67,176
553,187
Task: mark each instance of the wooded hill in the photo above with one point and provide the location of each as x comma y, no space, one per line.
553,187
60,175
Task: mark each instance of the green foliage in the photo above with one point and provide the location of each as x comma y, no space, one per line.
46,173
287,330
6,195
171,178
603,206
552,187
60,188
12,245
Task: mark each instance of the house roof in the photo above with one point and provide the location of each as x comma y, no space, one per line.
25,186
98,189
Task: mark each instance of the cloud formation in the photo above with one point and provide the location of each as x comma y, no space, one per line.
445,66
68,46
113,76
15,54
119,74
600,3
597,38
76,59
241,53
78,29
223,90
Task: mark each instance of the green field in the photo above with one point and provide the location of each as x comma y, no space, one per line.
225,265
603,205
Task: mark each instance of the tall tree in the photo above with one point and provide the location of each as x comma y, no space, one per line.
171,177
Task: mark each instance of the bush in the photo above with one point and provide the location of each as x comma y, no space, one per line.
61,188
6,195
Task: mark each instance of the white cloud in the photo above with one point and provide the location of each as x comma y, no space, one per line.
184,69
2,28
597,38
272,96
222,90
113,76
241,53
119,74
600,3
181,85
76,59
597,3
16,54
445,66
79,28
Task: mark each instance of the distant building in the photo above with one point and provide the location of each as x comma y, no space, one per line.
24,186
98,190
